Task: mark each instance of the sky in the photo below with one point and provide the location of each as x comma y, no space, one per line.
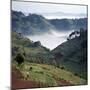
50,10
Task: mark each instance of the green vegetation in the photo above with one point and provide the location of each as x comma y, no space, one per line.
74,54
66,63
37,63
49,75
19,59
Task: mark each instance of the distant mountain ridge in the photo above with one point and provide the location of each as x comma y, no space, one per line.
62,13
31,24
69,24
59,14
37,24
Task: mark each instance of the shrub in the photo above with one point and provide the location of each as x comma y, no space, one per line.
30,68
19,59
62,67
75,74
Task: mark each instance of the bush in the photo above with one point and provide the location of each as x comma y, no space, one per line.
19,59
75,74
30,68
62,67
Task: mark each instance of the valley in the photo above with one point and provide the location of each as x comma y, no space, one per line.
48,53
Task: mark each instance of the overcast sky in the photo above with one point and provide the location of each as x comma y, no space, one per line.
30,7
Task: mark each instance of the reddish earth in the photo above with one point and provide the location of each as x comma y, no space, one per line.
19,83
64,83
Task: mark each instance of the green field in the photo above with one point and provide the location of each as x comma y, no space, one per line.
49,75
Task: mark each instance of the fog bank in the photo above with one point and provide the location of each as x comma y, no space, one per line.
51,39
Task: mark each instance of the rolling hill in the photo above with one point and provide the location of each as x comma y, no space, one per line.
73,55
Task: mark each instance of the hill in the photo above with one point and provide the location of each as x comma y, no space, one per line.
32,51
37,24
69,24
72,55
34,64
32,75
31,24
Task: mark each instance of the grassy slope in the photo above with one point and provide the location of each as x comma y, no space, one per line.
74,55
47,74
25,45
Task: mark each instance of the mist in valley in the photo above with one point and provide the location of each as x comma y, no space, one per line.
51,39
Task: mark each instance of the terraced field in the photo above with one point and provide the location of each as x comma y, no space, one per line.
42,75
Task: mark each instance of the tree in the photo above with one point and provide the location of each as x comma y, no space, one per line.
30,68
19,59
75,74
38,43
74,34
68,38
62,67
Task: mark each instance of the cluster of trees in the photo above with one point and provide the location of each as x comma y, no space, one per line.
75,34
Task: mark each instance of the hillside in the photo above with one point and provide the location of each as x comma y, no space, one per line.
35,24
31,24
29,49
72,55
69,55
33,65
32,75
69,24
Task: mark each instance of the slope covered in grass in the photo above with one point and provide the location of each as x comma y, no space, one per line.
49,75
65,65
73,55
